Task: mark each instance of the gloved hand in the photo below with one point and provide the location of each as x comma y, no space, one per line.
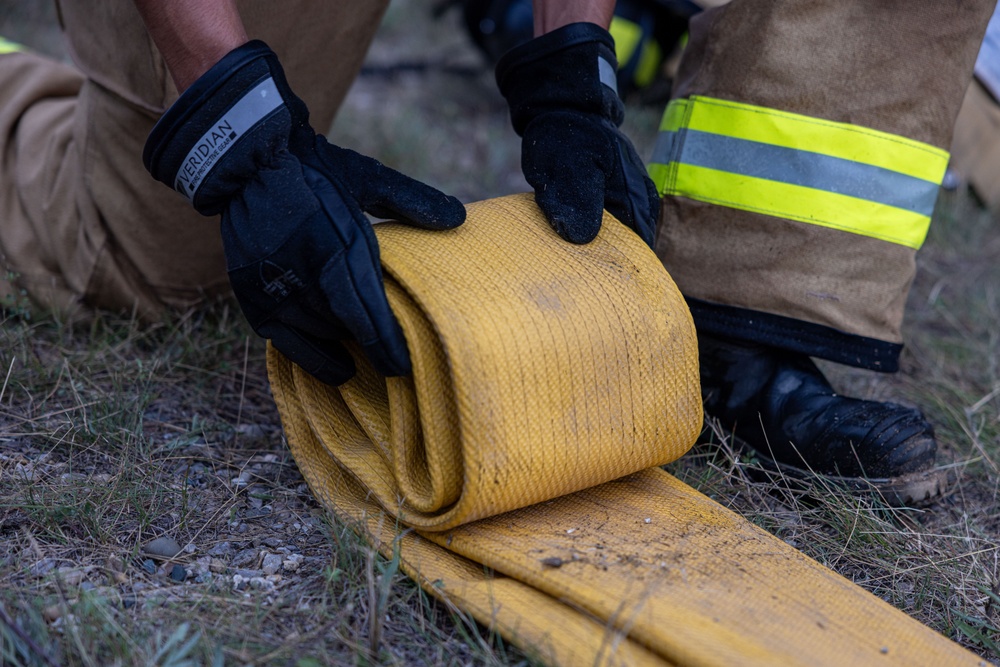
302,258
563,103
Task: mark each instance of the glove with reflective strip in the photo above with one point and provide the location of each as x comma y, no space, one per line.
562,92
302,257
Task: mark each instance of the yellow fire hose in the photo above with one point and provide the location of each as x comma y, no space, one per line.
516,471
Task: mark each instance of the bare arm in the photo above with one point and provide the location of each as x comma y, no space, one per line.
192,35
552,14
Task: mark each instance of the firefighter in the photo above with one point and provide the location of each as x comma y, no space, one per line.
798,162
975,150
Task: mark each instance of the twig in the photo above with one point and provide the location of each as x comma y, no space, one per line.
33,646
374,622
3,390
243,385
64,598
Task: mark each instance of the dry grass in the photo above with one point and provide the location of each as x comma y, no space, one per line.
113,434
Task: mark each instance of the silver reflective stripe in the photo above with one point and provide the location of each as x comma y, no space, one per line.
788,165
664,147
253,107
607,73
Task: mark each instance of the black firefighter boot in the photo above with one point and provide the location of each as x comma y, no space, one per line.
780,404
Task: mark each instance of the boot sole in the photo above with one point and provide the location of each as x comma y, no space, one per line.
915,489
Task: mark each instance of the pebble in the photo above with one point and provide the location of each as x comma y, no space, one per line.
128,602
292,563
162,547
43,567
149,566
217,566
249,574
245,557
265,583
178,573
271,564
221,549
50,614
241,480
72,576
202,565
251,431
273,542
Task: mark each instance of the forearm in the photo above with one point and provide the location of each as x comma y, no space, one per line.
552,14
192,35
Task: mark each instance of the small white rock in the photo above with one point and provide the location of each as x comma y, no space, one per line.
202,565
292,563
261,583
271,563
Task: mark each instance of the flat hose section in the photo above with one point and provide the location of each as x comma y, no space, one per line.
516,472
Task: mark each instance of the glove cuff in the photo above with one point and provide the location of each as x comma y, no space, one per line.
228,122
573,67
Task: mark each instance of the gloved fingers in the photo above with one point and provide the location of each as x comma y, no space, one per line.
356,289
573,205
318,274
570,192
327,361
387,193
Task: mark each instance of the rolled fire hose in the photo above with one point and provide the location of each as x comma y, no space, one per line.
515,474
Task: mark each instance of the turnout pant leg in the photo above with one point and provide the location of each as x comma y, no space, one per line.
83,224
800,161
975,150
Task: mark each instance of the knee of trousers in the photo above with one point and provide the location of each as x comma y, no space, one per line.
84,224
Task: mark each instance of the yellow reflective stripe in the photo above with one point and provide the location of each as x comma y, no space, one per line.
795,202
626,35
649,64
806,133
7,46
673,115
659,173
790,166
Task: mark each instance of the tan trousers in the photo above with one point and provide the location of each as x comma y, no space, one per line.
975,149
887,71
82,225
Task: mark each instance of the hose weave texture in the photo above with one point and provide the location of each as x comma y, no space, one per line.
550,380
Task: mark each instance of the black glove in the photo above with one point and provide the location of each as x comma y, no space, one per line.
302,257
561,88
